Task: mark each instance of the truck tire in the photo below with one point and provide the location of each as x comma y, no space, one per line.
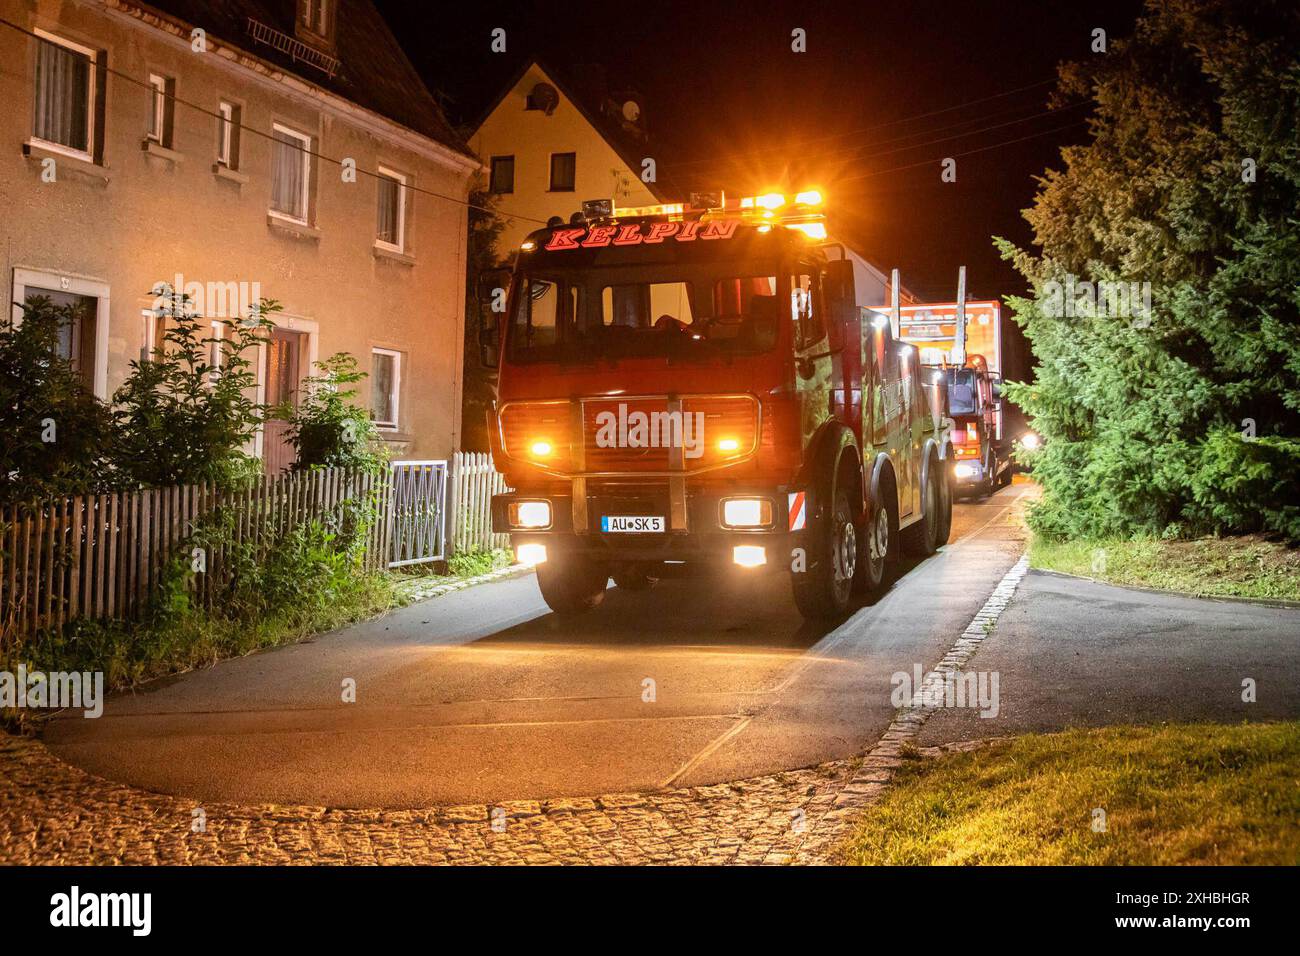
874,553
572,583
825,588
945,503
921,538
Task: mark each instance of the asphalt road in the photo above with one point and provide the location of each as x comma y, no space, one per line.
483,695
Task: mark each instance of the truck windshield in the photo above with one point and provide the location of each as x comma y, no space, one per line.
962,397
671,311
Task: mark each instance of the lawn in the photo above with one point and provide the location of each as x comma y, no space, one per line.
1248,566
1176,794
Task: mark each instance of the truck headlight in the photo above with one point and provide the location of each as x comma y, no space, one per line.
530,514
749,555
746,512
530,553
965,470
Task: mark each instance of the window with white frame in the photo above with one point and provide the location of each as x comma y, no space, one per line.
161,92
290,173
83,330
317,16
385,387
390,227
154,335
64,103
228,134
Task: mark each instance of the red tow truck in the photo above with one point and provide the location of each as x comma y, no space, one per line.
696,384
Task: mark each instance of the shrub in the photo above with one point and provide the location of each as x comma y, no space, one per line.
327,429
179,417
55,430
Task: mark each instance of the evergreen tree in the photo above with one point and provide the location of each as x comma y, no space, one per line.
1185,419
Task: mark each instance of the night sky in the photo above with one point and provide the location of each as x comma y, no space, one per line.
729,105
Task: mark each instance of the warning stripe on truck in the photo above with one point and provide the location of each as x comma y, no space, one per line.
798,511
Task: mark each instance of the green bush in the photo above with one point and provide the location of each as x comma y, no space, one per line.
55,430
1189,424
327,429
183,419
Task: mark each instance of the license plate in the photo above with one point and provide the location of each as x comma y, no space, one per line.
633,524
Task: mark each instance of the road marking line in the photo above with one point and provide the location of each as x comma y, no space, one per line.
705,753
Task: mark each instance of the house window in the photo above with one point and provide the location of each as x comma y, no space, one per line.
385,386
390,228
503,174
563,171
154,335
65,97
290,173
228,135
317,16
216,347
162,91
76,343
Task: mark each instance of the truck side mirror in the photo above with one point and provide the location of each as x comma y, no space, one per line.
841,300
489,339
492,287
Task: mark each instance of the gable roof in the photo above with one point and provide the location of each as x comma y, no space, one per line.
628,150
373,71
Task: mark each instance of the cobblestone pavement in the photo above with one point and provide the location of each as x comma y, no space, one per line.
52,813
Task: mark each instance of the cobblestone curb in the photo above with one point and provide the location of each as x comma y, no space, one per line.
884,759
413,591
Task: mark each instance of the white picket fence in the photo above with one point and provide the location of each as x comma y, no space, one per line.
470,487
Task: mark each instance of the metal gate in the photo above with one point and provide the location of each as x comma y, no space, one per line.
416,512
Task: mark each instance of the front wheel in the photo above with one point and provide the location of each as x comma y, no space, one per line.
825,587
571,583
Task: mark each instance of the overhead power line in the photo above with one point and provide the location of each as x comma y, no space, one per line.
874,126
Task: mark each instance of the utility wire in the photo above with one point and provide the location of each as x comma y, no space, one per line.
875,126
257,132
969,152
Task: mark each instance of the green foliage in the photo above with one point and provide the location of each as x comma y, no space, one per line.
1191,424
53,426
469,564
327,429
309,579
182,418
485,228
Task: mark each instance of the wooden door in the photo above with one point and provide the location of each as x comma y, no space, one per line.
282,376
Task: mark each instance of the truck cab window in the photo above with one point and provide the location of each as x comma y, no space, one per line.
655,305
547,306
805,310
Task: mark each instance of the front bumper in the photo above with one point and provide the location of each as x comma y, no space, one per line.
704,541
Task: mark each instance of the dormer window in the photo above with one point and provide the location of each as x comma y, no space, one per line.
316,19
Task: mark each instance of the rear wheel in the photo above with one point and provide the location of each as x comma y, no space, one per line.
572,583
921,538
875,549
945,503
825,587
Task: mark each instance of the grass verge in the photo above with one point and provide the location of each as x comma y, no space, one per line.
1248,566
1177,794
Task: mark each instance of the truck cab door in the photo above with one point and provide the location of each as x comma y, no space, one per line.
814,368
